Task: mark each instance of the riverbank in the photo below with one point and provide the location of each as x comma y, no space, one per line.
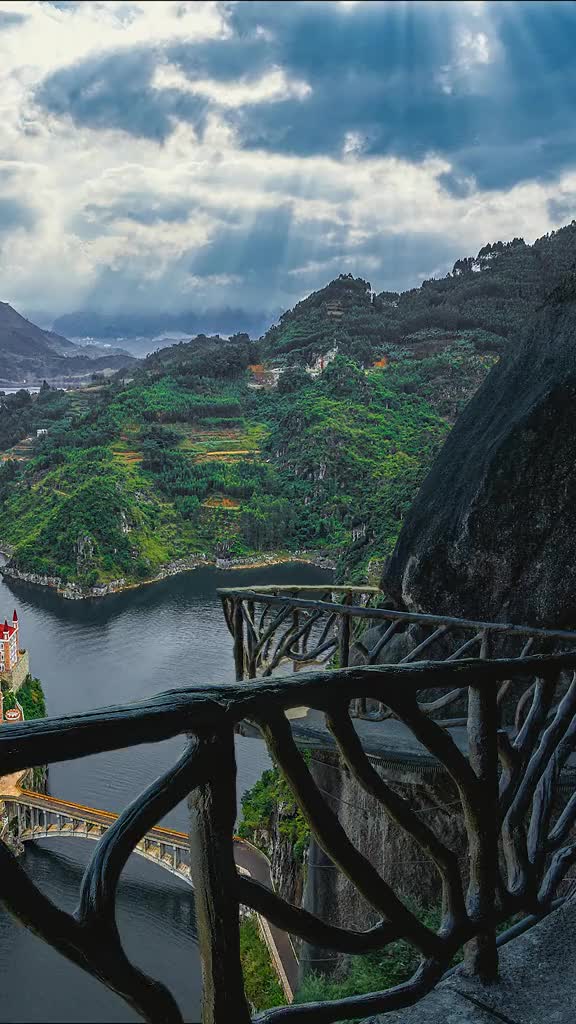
76,592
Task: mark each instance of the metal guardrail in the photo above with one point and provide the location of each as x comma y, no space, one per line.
520,841
335,627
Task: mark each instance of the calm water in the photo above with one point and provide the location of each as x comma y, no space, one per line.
92,653
24,387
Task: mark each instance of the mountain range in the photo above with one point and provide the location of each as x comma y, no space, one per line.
30,354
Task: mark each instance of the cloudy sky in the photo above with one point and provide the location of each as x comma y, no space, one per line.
172,155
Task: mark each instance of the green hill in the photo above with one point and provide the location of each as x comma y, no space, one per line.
485,300
229,447
175,463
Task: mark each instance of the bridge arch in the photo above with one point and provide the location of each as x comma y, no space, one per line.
36,822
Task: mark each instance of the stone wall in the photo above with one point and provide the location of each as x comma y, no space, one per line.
15,677
398,858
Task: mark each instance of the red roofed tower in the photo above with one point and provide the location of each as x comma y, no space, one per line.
9,645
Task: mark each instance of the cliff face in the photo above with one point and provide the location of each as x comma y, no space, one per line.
492,533
329,894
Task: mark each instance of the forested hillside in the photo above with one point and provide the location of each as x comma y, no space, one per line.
174,463
314,439
489,297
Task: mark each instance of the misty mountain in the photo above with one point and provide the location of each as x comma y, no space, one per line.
142,333
29,354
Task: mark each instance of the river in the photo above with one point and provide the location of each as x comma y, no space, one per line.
89,654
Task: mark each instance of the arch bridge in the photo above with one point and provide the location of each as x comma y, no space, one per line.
29,816
34,816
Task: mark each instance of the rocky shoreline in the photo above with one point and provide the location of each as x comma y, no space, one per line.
76,592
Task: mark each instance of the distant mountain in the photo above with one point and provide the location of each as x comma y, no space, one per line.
29,354
143,333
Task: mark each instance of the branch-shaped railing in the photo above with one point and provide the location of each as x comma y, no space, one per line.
519,823
336,626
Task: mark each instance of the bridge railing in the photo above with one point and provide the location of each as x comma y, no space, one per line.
336,626
518,821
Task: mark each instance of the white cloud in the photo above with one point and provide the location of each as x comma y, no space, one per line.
274,85
341,207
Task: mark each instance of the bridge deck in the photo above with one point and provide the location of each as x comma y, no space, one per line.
55,805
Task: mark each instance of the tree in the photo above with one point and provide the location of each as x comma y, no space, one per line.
293,379
343,377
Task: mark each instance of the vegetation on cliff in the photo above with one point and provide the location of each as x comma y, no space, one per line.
270,804
371,972
261,985
30,696
491,295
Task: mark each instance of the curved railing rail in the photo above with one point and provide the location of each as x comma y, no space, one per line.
336,626
519,823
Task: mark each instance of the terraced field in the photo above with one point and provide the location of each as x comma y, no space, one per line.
21,452
126,449
82,400
202,444
221,501
222,444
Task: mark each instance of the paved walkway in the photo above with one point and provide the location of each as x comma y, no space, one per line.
389,739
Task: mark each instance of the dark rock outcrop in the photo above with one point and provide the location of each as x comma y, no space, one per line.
492,533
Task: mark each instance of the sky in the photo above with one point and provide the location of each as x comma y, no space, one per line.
166,156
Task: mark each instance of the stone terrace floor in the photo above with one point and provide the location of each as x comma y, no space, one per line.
537,983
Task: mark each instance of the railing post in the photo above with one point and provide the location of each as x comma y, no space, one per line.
250,642
213,872
238,624
345,636
481,954
298,644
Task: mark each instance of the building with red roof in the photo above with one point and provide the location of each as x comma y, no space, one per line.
9,644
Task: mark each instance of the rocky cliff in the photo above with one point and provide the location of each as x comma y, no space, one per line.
328,893
491,535
492,532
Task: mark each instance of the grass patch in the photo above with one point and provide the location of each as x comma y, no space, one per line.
261,984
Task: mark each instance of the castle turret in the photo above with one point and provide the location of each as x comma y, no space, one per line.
14,665
8,646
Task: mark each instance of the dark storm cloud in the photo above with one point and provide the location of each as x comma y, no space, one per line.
404,78
270,261
115,91
260,247
14,214
390,73
261,262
